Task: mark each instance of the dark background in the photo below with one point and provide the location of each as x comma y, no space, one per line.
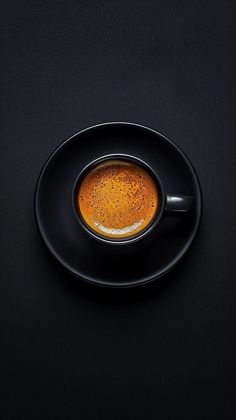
72,351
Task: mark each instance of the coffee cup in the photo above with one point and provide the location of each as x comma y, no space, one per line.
120,199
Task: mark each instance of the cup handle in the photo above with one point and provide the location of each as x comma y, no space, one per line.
179,203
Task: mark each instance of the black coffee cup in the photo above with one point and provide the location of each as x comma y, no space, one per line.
168,203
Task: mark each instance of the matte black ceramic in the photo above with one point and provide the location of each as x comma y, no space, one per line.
98,262
170,203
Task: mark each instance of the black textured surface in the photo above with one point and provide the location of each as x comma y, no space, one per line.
72,351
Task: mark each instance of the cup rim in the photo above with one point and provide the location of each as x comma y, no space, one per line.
126,157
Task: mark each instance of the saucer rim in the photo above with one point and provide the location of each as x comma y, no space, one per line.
126,284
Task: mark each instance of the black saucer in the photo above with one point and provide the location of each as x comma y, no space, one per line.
104,264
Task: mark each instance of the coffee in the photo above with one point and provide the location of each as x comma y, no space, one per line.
118,199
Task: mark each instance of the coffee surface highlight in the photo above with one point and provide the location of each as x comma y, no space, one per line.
118,199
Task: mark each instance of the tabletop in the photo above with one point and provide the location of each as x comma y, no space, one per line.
70,350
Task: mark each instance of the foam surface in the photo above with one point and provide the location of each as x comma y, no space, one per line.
118,199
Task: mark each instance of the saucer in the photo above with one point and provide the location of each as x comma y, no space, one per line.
100,263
